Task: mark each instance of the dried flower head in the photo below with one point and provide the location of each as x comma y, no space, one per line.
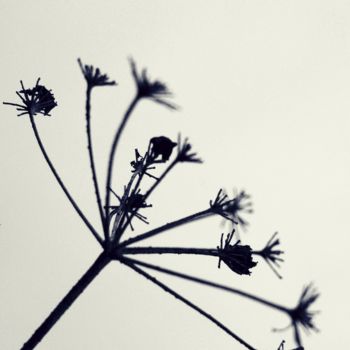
130,204
184,152
142,165
236,256
38,100
156,90
93,76
160,149
271,254
239,204
231,209
301,315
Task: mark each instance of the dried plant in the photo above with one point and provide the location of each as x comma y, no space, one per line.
118,211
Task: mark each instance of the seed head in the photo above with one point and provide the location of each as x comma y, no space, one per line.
38,100
236,256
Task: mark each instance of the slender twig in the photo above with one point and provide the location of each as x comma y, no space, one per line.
91,154
112,156
148,193
67,301
168,226
170,250
161,178
211,284
75,206
188,303
122,211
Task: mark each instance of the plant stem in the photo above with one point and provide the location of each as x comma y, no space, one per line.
112,156
170,250
148,193
102,260
168,226
160,179
188,303
212,284
60,182
91,154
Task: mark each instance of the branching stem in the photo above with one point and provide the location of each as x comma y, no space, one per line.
212,284
188,303
112,156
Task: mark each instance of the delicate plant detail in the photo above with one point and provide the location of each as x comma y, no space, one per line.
94,77
231,209
272,255
281,347
117,212
156,90
129,205
38,100
184,152
236,256
301,315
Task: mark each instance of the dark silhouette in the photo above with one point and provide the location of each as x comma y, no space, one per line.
116,217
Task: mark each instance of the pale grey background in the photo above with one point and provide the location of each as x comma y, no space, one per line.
264,89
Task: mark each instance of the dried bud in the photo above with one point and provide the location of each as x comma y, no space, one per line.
38,100
161,147
236,256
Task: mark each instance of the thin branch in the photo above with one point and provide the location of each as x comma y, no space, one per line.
168,226
148,193
75,206
112,156
170,250
211,284
91,154
188,303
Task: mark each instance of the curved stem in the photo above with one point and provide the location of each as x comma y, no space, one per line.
60,182
91,154
112,156
168,226
66,302
188,303
212,284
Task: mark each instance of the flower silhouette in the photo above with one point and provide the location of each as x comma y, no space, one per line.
236,256
38,100
156,90
93,76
